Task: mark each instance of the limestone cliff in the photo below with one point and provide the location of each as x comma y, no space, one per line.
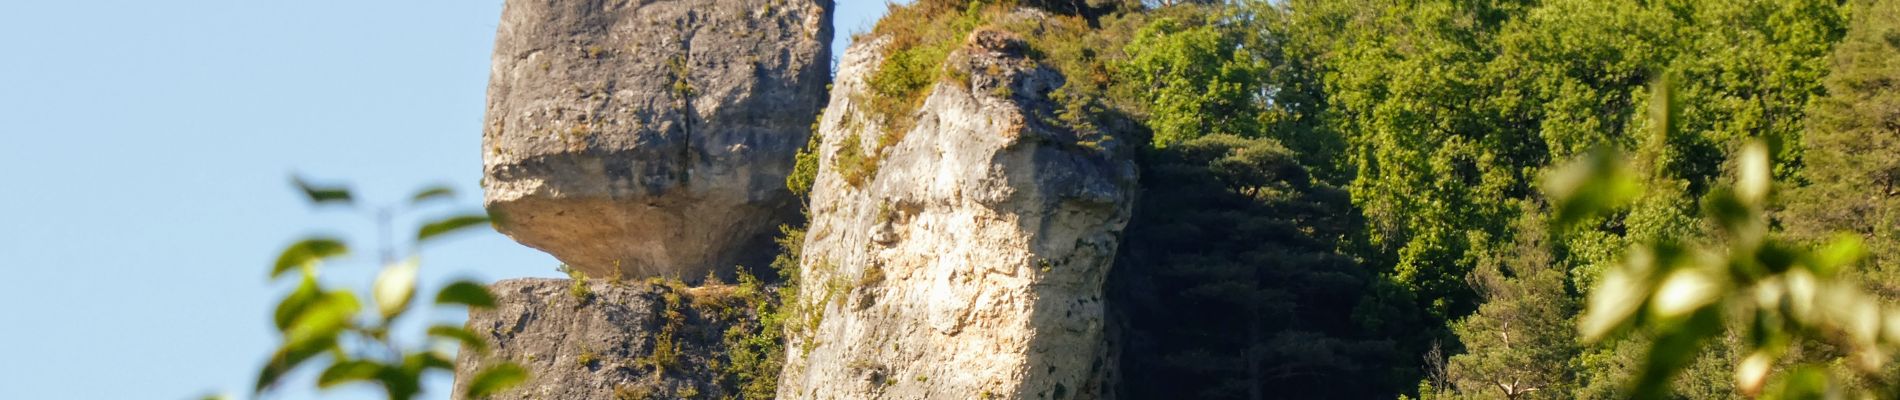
967,259
651,138
606,340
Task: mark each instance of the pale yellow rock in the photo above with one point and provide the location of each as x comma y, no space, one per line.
972,262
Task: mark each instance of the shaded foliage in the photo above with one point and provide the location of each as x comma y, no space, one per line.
1232,283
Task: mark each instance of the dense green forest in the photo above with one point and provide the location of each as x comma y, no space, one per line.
1347,199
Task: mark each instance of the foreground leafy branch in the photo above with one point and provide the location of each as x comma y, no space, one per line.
1683,293
330,328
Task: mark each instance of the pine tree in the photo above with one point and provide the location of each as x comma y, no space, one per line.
1521,341
1853,142
1232,283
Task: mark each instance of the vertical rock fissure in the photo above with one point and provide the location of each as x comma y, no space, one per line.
683,90
597,115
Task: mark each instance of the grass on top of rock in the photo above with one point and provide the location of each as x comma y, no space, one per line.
921,37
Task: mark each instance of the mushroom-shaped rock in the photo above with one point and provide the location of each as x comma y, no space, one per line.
651,138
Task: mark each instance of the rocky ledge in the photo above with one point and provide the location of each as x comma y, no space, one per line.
606,340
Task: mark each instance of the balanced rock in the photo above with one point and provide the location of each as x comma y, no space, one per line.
968,261
651,138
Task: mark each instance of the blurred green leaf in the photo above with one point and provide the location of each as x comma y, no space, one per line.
466,293
287,359
323,319
1801,296
312,332
432,193
1675,346
1752,373
1684,291
427,360
1754,173
1614,302
1774,258
322,194
462,335
299,300
404,382
307,252
348,371
394,287
1855,314
450,225
1806,382
495,380
1619,295
1734,216
1589,186
1891,331
1839,254
1767,329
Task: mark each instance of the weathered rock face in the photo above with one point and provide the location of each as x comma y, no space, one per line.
608,341
653,137
970,263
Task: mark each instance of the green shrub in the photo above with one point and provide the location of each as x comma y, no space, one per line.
633,392
920,43
579,288
1082,41
755,349
852,164
805,165
666,349
587,358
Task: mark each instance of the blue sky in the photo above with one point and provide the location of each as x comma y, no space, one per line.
144,153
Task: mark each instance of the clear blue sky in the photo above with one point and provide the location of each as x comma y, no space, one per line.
144,150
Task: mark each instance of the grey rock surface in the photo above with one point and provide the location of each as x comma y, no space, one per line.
651,138
971,263
601,342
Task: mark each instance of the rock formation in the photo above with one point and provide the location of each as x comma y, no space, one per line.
969,263
651,138
604,340
958,254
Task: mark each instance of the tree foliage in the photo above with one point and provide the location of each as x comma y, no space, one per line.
1196,78
1853,147
1522,340
1233,283
1683,293
330,327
